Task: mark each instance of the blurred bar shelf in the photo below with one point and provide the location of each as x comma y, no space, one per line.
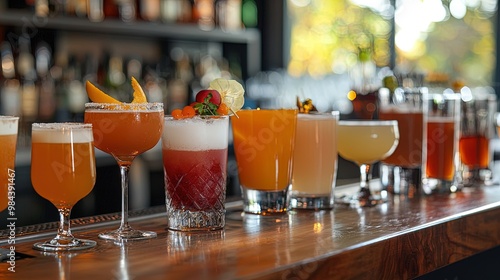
401,239
135,28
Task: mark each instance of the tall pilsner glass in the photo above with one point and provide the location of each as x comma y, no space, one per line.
125,131
8,140
63,172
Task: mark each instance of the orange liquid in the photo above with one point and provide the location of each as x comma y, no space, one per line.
475,151
408,153
440,150
125,134
7,160
263,144
63,173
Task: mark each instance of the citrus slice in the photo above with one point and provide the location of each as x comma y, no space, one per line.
139,95
98,96
231,93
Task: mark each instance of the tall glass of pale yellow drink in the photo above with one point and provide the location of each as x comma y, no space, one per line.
315,161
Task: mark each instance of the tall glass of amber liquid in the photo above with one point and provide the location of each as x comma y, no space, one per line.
8,140
195,170
440,159
63,171
125,131
476,130
401,171
315,161
263,144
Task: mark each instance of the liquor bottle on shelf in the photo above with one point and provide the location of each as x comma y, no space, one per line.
170,10
45,84
10,90
228,13
365,86
150,10
204,14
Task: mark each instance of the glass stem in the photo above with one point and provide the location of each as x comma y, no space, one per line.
364,170
64,235
124,172
364,194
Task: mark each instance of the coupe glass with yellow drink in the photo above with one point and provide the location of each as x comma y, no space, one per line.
366,142
63,171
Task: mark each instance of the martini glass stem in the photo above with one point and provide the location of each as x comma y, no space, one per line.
124,173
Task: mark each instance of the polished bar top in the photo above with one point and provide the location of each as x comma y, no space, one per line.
400,239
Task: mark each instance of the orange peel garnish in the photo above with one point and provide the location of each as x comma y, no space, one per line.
98,96
139,95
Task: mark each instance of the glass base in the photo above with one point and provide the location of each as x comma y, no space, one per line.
185,220
362,199
55,246
266,202
432,186
311,202
127,235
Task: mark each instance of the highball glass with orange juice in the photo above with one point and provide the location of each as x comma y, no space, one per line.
263,145
8,139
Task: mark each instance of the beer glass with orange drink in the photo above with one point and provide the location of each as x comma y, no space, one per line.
440,157
63,171
263,144
8,140
125,130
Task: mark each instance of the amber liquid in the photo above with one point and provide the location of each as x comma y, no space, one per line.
7,173
263,145
125,134
475,151
63,173
408,153
440,150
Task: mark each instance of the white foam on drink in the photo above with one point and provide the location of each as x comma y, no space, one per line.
8,125
61,133
195,134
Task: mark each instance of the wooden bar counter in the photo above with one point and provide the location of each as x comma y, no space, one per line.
401,239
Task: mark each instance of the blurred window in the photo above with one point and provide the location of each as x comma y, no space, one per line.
456,38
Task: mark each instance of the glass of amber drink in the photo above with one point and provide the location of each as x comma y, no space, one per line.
125,131
477,128
441,135
63,171
195,170
401,171
315,161
366,142
263,144
8,140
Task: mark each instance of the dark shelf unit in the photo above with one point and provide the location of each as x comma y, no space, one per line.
248,40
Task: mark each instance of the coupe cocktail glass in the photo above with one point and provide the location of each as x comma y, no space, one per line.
8,140
125,131
63,171
195,167
366,142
